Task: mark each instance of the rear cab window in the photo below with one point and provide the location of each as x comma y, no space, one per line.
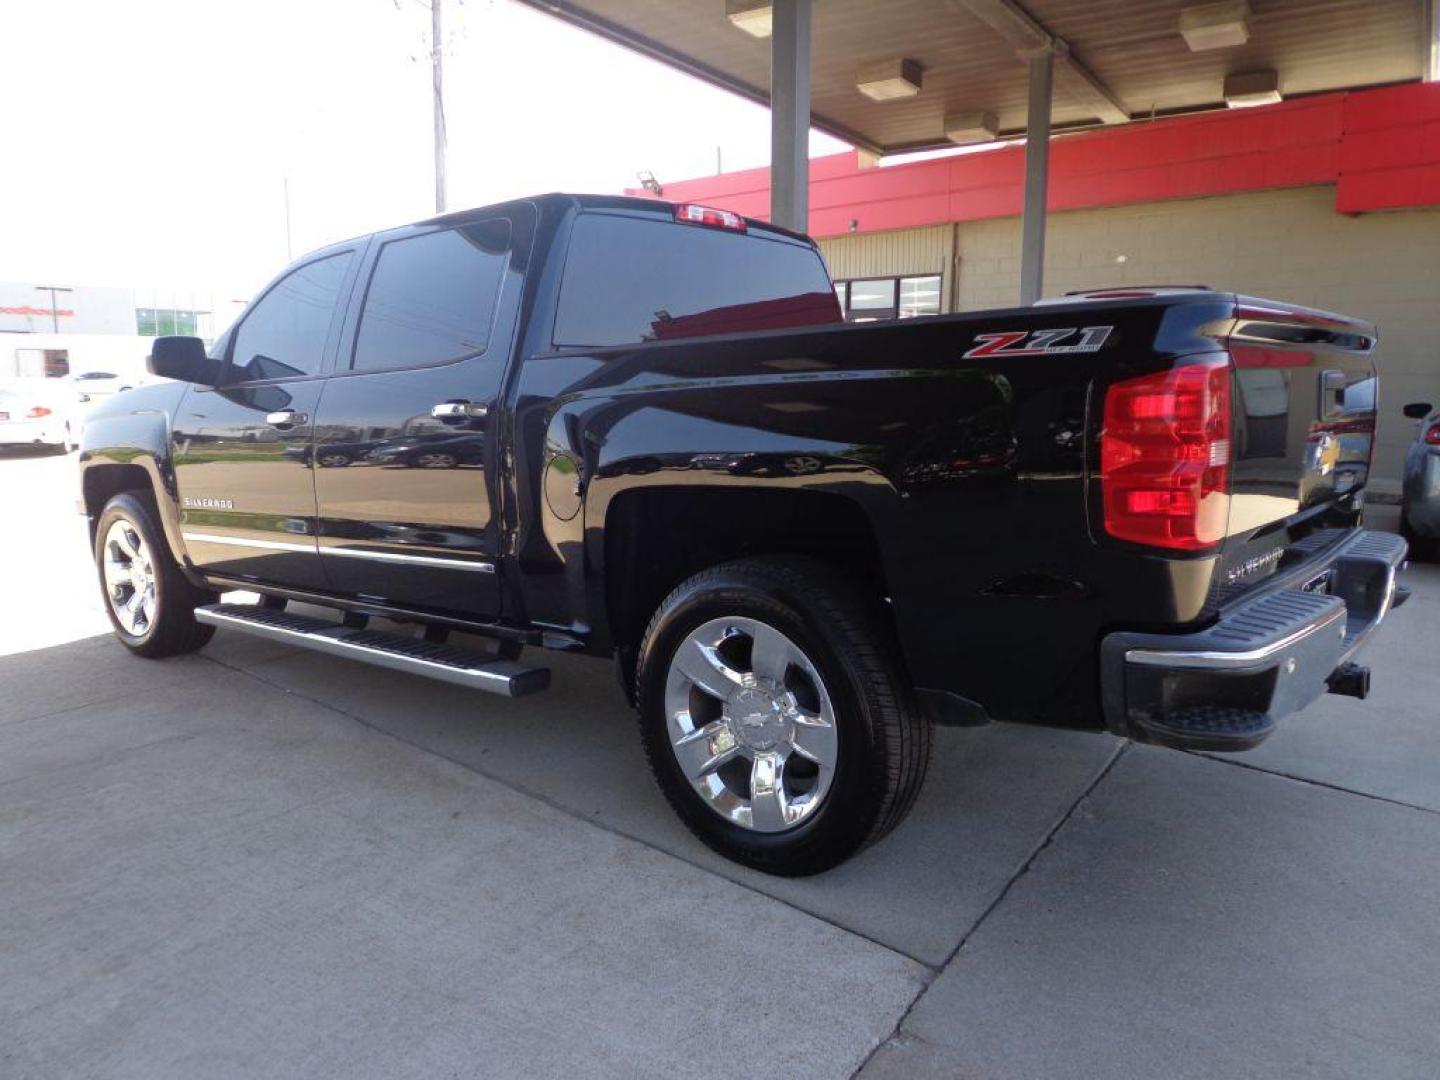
631,279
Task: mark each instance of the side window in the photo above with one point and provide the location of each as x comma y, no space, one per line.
283,336
432,298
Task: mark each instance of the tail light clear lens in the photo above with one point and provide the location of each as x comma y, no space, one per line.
1165,457
692,214
37,412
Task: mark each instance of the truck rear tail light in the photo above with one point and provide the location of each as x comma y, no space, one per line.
1165,457
691,214
1432,435
37,412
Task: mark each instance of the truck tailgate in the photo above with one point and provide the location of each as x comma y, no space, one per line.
1304,428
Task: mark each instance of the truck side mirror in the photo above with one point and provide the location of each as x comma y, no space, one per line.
184,359
1417,410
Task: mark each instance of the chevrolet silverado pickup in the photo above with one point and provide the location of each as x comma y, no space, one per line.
641,430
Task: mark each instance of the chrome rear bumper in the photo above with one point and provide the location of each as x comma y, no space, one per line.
1224,687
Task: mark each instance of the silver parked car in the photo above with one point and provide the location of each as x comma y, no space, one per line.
1420,501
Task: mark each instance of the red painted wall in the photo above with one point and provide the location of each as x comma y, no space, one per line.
1390,149
1381,148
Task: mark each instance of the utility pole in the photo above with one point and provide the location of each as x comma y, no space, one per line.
437,80
289,252
54,306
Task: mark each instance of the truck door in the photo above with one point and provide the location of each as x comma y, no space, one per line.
405,446
242,449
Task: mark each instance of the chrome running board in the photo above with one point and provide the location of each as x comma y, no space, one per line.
418,657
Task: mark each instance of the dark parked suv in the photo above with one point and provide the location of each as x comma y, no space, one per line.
1420,503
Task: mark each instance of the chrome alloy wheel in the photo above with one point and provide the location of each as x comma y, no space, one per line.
129,578
751,724
435,461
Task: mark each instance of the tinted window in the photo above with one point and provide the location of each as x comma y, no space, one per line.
432,297
284,334
630,280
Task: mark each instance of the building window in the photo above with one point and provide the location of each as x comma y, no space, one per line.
919,296
40,363
871,299
169,322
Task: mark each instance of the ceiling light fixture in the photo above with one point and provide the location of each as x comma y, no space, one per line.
755,17
889,79
1249,88
971,127
1215,26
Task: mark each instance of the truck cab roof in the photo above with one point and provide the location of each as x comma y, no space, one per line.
582,201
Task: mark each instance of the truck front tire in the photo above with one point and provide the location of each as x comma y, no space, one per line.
775,718
151,604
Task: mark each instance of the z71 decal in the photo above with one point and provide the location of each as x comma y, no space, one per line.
1067,339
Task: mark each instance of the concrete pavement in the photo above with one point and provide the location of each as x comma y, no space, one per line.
1196,920
259,862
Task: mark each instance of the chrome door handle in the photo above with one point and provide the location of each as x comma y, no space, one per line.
460,410
285,418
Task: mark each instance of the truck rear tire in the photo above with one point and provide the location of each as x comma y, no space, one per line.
151,604
775,718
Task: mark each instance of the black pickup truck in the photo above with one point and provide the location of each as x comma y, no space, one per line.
641,430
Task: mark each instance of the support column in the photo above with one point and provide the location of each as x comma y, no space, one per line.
1037,176
790,114
1432,44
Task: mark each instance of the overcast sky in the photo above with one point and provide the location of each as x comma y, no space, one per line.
146,142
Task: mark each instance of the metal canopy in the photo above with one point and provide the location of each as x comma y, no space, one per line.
1125,58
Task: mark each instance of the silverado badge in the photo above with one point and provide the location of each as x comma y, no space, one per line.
1254,566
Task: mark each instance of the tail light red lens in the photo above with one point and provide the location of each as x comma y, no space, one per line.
1165,457
37,412
1432,436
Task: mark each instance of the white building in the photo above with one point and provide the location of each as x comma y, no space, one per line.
50,328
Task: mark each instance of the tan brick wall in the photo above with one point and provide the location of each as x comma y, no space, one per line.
1284,245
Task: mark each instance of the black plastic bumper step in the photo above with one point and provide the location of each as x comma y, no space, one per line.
415,655
1212,727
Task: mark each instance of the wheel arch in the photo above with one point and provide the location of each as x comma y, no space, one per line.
652,543
131,452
